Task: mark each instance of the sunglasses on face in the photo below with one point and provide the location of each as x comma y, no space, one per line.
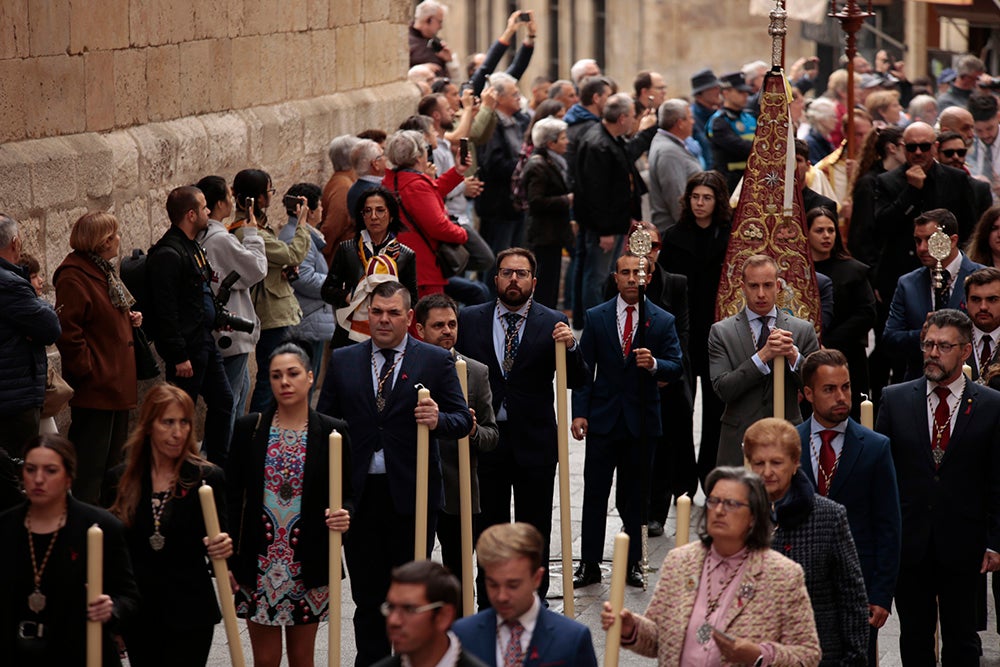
952,152
924,147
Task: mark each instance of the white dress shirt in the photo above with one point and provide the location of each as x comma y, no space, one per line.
529,619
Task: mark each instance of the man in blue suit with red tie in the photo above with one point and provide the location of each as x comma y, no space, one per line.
616,408
373,386
518,630
852,465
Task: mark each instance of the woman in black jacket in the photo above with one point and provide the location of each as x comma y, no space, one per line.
278,487
155,494
546,184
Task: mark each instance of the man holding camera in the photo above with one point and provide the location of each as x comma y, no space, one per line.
183,316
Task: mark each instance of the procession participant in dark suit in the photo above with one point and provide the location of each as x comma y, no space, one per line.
852,465
515,339
813,531
373,386
518,629
423,600
155,494
949,490
617,406
437,323
982,294
43,609
742,350
278,495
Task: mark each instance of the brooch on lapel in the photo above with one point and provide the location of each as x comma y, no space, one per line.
968,407
405,376
746,591
534,653
691,583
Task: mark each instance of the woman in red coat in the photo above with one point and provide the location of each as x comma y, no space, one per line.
426,222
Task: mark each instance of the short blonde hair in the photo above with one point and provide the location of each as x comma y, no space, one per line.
92,230
505,541
771,430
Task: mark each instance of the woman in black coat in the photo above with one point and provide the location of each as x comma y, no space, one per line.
853,299
353,260
546,187
278,496
155,494
43,608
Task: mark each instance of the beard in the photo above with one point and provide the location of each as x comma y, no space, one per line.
935,372
514,298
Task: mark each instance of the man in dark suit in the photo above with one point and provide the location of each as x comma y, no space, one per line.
852,465
916,294
511,555
617,408
945,435
373,386
515,339
741,349
952,149
423,600
982,294
437,324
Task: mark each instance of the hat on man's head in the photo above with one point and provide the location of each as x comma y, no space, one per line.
736,80
947,75
702,80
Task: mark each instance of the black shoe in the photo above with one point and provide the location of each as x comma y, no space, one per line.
634,576
588,573
654,529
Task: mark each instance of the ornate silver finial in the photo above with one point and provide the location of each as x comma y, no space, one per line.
939,247
777,31
640,244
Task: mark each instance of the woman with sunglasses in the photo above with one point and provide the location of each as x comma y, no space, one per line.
727,598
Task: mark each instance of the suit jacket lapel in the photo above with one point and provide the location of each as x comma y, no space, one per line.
849,455
610,321
805,460
530,332
745,334
540,638
926,302
963,414
488,633
748,588
411,359
918,406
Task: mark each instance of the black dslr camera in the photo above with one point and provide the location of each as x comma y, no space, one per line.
224,319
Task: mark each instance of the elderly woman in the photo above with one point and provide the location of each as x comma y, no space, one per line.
94,309
545,181
155,494
44,609
823,120
885,108
812,530
426,221
373,255
727,598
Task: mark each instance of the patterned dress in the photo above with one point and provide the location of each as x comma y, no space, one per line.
281,597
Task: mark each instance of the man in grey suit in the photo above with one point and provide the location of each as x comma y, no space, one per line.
741,350
437,324
671,164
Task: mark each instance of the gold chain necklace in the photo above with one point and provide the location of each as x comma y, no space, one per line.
36,600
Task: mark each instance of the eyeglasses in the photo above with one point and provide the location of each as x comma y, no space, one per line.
952,152
731,505
509,273
378,211
924,147
943,348
407,609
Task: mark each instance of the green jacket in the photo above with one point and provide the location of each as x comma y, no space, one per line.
274,299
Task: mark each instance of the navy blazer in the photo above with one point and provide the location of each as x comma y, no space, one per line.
612,387
348,393
557,640
528,388
865,484
908,311
954,509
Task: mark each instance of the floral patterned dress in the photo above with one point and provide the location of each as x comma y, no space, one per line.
281,597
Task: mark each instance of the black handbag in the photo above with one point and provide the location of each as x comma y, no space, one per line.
452,258
146,367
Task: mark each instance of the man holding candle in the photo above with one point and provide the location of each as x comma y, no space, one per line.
617,407
948,474
373,386
852,465
742,350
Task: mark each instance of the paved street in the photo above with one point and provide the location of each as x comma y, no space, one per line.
588,600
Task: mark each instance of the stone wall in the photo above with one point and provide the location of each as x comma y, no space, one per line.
108,104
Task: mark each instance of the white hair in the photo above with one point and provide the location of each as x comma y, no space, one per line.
578,68
754,69
8,231
547,130
339,151
503,82
821,107
428,8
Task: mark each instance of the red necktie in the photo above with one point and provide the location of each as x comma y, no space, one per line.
827,461
627,332
513,656
942,420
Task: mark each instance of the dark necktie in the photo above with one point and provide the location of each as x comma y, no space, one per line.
765,332
627,331
984,356
513,656
988,163
827,461
510,341
941,433
385,378
942,293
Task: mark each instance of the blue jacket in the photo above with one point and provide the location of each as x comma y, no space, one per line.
27,325
557,640
317,315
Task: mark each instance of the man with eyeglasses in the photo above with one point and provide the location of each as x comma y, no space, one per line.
609,410
422,602
952,150
945,434
918,294
902,194
515,337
